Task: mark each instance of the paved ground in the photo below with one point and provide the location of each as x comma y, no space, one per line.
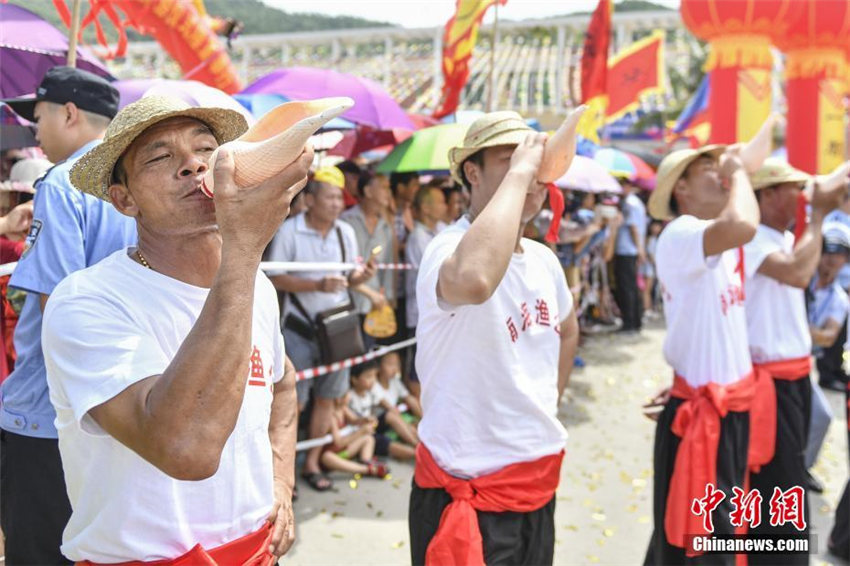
603,508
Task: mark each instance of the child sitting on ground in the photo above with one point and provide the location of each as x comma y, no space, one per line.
390,391
355,452
363,404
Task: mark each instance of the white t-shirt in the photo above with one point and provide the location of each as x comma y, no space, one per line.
393,393
703,302
776,312
297,241
489,372
105,328
363,405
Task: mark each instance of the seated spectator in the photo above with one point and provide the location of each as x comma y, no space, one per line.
372,231
390,392
316,235
353,453
364,404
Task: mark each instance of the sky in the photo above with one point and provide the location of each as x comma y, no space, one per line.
429,13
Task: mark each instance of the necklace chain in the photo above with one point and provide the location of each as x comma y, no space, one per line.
142,259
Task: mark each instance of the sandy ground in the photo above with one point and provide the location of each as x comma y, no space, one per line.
604,501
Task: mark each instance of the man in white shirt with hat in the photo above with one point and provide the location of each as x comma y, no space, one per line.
777,273
175,405
699,259
496,337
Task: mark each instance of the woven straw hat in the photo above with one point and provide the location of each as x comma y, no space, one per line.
92,172
492,129
776,172
669,171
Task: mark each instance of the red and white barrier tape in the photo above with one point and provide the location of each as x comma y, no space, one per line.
336,366
278,267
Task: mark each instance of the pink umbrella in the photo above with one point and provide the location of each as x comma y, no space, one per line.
588,176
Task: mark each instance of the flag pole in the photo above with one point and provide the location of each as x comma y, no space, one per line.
75,30
491,98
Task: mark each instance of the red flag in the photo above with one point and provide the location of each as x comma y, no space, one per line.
636,70
594,70
458,41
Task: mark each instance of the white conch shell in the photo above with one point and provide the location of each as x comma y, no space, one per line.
276,140
755,151
560,149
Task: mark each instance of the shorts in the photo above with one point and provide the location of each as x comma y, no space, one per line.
304,355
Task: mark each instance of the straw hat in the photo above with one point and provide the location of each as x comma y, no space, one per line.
330,175
92,172
491,129
669,171
776,172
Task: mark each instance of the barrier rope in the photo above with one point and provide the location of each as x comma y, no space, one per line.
336,366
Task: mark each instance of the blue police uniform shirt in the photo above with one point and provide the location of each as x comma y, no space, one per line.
71,230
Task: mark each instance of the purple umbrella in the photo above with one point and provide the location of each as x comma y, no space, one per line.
15,132
373,106
191,92
29,46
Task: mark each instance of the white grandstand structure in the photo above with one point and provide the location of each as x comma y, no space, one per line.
536,65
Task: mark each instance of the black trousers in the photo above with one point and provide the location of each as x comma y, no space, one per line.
627,294
788,468
34,507
731,467
509,538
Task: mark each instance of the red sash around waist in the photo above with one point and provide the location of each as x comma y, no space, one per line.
697,423
250,550
763,409
522,488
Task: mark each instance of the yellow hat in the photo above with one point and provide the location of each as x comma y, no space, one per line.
330,175
669,171
775,172
490,130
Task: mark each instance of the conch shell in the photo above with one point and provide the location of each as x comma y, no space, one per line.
754,152
276,140
560,149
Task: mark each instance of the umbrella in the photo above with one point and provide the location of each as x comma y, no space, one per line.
29,47
626,165
15,132
425,150
354,142
589,176
192,92
373,106
259,104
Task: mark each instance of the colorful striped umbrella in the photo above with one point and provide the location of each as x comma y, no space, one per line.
425,150
625,165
